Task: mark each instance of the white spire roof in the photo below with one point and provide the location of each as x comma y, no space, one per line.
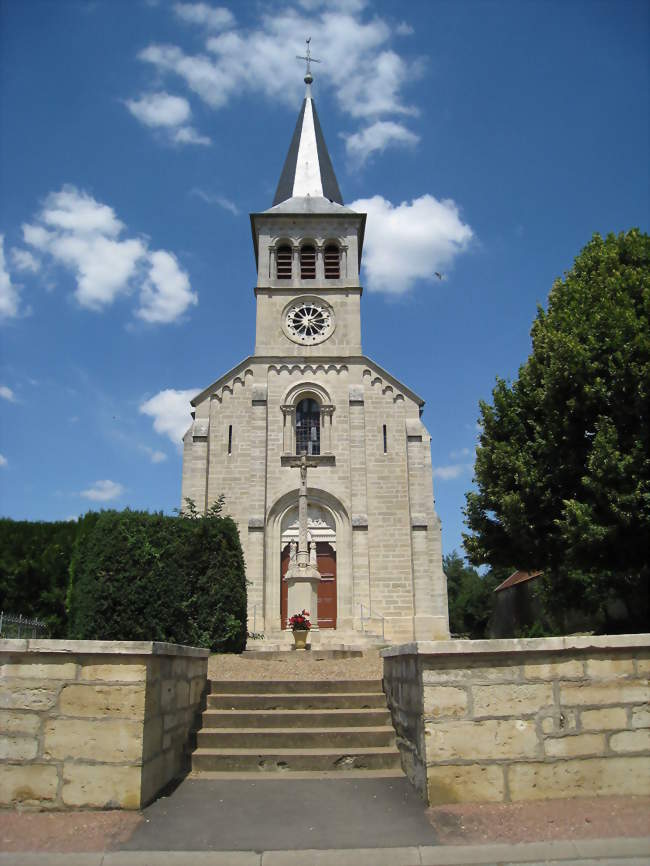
308,170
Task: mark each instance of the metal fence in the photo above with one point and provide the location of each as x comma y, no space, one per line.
21,626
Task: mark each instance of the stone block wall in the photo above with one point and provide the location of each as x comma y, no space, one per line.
510,720
95,724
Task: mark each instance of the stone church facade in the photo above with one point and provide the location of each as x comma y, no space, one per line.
308,388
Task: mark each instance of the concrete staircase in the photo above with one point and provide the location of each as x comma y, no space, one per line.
302,728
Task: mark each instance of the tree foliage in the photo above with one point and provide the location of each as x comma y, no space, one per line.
470,596
141,576
34,562
563,464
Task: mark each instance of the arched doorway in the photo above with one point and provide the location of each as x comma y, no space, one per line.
322,531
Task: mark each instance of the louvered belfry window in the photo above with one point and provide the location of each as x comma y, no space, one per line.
283,262
307,262
308,427
332,262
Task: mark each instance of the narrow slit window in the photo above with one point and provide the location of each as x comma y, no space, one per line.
385,439
308,262
332,262
308,427
230,439
283,262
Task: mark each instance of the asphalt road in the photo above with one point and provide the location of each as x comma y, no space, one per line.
281,815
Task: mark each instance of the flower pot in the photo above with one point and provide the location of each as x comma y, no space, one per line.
300,639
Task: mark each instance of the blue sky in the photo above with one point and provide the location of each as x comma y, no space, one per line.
489,140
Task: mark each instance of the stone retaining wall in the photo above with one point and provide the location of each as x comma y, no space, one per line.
95,724
508,720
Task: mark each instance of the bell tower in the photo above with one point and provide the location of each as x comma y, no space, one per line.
308,252
364,517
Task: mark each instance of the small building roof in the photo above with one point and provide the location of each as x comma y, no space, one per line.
517,577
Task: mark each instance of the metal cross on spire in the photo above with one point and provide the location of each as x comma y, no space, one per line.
308,76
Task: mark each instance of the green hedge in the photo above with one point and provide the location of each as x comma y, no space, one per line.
34,563
141,576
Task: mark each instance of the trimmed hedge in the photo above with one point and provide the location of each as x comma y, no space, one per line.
34,563
141,576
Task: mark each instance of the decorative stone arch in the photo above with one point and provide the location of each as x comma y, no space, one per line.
298,392
276,521
292,397
308,266
276,264
332,259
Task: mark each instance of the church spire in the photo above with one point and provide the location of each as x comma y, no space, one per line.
308,168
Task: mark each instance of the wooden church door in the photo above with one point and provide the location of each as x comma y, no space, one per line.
326,558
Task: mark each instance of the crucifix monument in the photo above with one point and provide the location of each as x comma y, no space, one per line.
302,576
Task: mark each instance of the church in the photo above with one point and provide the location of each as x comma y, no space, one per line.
373,530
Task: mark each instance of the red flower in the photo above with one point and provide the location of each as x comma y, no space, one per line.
299,621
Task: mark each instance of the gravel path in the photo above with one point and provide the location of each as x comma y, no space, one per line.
65,832
541,820
296,666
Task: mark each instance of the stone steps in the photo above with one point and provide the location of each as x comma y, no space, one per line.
325,640
310,701
371,758
258,775
328,718
312,728
292,738
292,687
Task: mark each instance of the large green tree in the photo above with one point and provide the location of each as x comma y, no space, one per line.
563,462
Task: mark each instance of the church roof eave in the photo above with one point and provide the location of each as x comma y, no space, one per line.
222,380
263,359
389,377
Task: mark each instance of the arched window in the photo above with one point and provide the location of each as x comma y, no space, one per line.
332,262
308,427
308,262
283,258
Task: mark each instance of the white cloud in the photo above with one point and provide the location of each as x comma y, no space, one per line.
346,5
83,235
9,297
366,76
453,470
221,200
167,112
170,410
79,213
212,17
410,241
166,293
3,460
154,455
404,29
103,491
7,394
23,260
377,137
160,109
189,135
461,452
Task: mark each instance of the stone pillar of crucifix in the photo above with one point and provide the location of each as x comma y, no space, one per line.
302,576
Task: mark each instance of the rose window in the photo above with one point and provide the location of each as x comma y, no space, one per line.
309,322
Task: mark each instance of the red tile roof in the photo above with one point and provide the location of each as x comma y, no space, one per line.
517,577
